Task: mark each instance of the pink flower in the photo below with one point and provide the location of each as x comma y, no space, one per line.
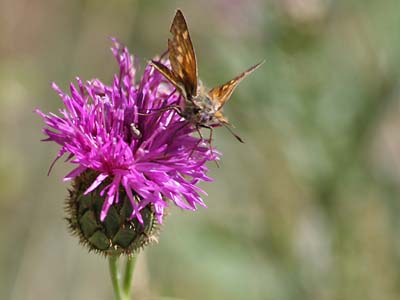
127,133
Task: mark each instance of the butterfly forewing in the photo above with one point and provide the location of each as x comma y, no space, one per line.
221,94
182,56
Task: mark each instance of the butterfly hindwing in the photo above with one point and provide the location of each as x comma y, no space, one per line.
168,75
221,94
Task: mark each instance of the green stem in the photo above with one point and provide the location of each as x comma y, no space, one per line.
130,266
115,277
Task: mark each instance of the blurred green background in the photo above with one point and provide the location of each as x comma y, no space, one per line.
307,208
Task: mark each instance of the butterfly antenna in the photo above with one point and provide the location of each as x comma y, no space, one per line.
175,108
227,126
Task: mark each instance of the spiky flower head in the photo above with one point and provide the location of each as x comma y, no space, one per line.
133,154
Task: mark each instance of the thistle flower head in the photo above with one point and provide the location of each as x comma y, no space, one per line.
128,136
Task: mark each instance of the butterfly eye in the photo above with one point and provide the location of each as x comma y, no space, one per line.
196,110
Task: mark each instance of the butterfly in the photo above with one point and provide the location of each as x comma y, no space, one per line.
201,107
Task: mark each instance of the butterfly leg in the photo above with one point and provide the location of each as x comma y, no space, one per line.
209,139
199,142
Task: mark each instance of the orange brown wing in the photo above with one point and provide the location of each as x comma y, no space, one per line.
167,73
221,94
182,56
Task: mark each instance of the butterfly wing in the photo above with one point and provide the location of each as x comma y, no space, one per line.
169,75
221,94
182,56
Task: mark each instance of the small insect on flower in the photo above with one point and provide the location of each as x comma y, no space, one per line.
201,108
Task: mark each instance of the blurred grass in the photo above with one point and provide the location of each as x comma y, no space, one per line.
308,208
